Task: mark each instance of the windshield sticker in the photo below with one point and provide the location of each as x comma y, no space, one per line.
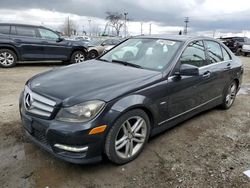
166,42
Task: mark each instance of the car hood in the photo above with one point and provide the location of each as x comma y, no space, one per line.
91,80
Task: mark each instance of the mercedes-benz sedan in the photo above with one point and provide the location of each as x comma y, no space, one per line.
112,105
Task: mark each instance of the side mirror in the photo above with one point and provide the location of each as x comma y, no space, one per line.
188,70
103,44
60,39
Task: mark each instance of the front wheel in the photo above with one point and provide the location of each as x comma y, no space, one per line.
7,58
77,57
127,137
229,96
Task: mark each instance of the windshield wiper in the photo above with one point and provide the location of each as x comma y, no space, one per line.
102,60
127,63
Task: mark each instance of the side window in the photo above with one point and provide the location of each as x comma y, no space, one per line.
4,29
13,30
47,34
226,56
214,51
26,31
194,54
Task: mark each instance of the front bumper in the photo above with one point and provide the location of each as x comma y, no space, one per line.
245,50
49,133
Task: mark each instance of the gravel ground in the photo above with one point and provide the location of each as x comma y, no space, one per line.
209,150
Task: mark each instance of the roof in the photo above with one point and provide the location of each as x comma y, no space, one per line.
174,37
19,24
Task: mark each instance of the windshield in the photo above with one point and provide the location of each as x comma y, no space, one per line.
153,54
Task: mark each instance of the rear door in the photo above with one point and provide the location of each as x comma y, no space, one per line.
27,40
219,66
54,49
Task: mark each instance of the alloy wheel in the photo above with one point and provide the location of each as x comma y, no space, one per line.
231,94
79,58
131,137
6,58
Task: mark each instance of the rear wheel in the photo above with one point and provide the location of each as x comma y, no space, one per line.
93,54
229,96
77,57
238,52
127,137
7,58
245,53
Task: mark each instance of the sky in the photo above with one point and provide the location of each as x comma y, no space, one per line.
207,17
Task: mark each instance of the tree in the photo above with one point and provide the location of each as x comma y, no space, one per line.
69,27
116,20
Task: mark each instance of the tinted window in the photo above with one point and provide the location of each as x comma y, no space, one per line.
225,54
214,51
26,31
13,30
47,34
4,29
194,54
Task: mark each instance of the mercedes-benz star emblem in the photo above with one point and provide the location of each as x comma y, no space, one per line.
28,101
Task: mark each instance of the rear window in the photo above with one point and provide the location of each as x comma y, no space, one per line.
214,51
226,56
4,29
26,31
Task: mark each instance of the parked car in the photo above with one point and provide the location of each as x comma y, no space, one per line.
246,49
20,42
113,104
235,43
98,46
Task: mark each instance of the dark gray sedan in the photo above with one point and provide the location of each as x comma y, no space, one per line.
112,105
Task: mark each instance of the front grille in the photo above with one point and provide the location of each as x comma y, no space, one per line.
40,136
37,104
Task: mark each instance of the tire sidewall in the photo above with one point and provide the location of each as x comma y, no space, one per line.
93,52
224,104
111,137
13,54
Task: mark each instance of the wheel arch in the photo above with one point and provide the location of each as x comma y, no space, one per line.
12,48
137,102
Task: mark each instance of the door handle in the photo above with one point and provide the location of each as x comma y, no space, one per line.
17,40
206,74
45,42
228,66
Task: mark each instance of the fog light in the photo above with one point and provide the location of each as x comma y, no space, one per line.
72,149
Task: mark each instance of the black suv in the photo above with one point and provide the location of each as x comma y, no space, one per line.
235,43
20,42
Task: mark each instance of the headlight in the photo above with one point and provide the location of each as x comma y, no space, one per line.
81,112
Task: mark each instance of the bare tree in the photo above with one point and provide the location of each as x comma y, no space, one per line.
116,20
69,27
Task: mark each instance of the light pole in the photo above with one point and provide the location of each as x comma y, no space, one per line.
125,23
186,20
141,27
150,29
89,27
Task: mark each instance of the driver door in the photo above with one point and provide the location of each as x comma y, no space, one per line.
185,92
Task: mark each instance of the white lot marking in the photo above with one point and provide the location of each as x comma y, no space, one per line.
247,173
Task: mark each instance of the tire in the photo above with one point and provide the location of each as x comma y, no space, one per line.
229,95
8,58
77,57
238,52
245,54
117,137
93,54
